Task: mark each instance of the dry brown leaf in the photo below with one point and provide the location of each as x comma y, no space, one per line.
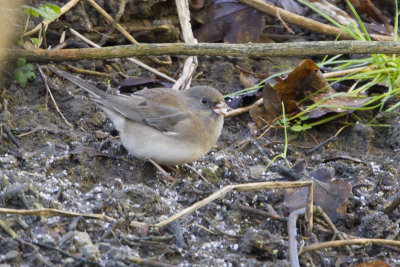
271,109
329,193
272,103
296,85
377,263
231,22
258,115
306,80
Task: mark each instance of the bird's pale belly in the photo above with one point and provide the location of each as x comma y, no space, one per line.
167,149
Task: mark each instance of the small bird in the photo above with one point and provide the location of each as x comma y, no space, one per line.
162,125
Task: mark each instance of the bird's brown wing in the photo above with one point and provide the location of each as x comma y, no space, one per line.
160,108
157,107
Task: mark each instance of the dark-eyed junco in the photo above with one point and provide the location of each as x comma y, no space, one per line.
164,125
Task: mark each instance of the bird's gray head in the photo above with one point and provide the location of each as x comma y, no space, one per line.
207,98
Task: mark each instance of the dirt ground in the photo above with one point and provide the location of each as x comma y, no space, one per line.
58,166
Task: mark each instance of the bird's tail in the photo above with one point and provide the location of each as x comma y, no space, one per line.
93,90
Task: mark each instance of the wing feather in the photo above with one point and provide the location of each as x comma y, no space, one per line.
153,107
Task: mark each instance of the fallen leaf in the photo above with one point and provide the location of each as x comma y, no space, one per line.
307,80
329,193
377,263
258,114
340,101
299,166
296,85
271,109
272,103
231,22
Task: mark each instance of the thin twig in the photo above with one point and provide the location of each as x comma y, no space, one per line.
149,238
204,228
121,10
124,32
283,22
341,73
326,141
219,230
7,229
113,22
199,174
303,22
56,212
243,110
10,135
315,148
340,243
262,213
187,72
89,72
221,192
318,210
133,60
191,62
110,227
164,172
52,98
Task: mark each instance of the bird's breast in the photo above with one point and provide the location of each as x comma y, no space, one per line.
168,148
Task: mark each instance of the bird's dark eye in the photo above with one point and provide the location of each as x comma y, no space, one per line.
204,101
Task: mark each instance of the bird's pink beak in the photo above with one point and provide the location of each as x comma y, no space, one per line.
221,108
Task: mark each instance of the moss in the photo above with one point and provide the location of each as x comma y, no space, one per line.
213,174
84,173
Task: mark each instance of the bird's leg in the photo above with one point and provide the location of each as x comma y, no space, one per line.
166,174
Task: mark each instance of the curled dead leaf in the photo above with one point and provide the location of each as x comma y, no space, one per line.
307,84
